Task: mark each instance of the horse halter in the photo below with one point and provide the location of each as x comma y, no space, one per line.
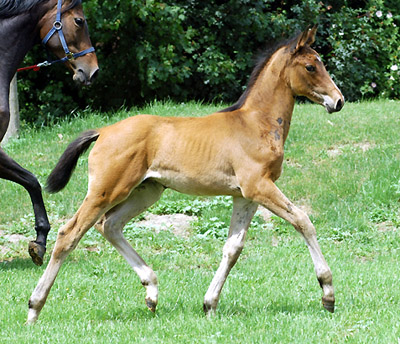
57,27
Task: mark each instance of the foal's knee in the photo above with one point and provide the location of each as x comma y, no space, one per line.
232,250
303,224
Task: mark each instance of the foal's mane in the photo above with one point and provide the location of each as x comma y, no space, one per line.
11,8
262,61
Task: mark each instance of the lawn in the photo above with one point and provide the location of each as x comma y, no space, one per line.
342,169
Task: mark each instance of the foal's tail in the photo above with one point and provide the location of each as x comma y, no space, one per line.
61,174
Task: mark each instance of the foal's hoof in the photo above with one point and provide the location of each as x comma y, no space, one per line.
36,251
151,305
208,310
329,304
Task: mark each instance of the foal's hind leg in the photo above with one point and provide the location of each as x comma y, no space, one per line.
268,194
243,212
68,237
10,170
112,224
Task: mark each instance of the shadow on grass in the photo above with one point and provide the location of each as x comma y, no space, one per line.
18,264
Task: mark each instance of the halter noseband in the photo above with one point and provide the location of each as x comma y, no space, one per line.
57,27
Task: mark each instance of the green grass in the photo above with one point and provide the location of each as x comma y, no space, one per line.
342,168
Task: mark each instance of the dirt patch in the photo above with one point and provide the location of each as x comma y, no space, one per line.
264,213
292,163
179,224
332,152
386,226
338,150
13,239
364,146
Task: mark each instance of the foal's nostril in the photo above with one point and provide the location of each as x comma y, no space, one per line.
339,105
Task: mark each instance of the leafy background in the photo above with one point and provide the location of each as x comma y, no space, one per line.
204,50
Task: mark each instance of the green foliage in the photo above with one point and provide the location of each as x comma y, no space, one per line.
365,46
203,50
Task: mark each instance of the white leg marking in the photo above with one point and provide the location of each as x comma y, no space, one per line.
111,228
243,212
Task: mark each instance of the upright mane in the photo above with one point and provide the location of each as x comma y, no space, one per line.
11,8
262,61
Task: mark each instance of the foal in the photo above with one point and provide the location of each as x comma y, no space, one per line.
237,152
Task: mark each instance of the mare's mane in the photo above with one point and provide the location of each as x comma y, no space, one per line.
262,61
11,8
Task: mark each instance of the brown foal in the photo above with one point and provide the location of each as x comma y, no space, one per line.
236,152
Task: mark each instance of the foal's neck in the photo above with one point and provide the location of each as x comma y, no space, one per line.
271,100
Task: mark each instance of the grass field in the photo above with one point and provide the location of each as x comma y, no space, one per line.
343,169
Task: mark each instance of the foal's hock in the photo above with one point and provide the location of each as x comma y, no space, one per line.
237,151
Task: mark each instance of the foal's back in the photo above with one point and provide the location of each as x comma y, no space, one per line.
188,154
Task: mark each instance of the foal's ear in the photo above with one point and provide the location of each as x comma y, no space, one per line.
305,38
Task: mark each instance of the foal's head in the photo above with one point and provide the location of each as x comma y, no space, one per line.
306,74
76,33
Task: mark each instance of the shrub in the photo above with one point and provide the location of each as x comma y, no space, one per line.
203,50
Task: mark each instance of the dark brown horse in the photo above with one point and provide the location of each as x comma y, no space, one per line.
236,152
61,26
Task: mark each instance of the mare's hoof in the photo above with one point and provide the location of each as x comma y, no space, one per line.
329,304
36,251
151,305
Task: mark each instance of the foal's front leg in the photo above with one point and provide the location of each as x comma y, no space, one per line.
243,212
268,194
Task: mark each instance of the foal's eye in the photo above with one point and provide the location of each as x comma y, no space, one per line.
310,68
79,21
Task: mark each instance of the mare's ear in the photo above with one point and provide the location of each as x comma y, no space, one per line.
307,37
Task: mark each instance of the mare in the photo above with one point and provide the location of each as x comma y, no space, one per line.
237,151
63,29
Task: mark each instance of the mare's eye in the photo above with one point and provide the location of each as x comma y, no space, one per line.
79,21
310,68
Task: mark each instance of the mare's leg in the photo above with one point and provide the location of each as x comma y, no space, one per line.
243,212
10,170
112,224
4,106
67,239
267,193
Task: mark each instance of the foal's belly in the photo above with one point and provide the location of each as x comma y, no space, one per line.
201,184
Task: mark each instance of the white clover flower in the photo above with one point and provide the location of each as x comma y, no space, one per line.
394,68
373,85
379,14
391,77
389,15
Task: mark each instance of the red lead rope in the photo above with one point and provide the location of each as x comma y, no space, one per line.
34,67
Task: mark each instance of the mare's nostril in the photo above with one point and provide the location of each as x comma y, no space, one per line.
94,75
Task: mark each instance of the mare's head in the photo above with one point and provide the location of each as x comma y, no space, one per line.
75,30
306,74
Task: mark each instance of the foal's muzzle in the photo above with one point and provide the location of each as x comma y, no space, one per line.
333,104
